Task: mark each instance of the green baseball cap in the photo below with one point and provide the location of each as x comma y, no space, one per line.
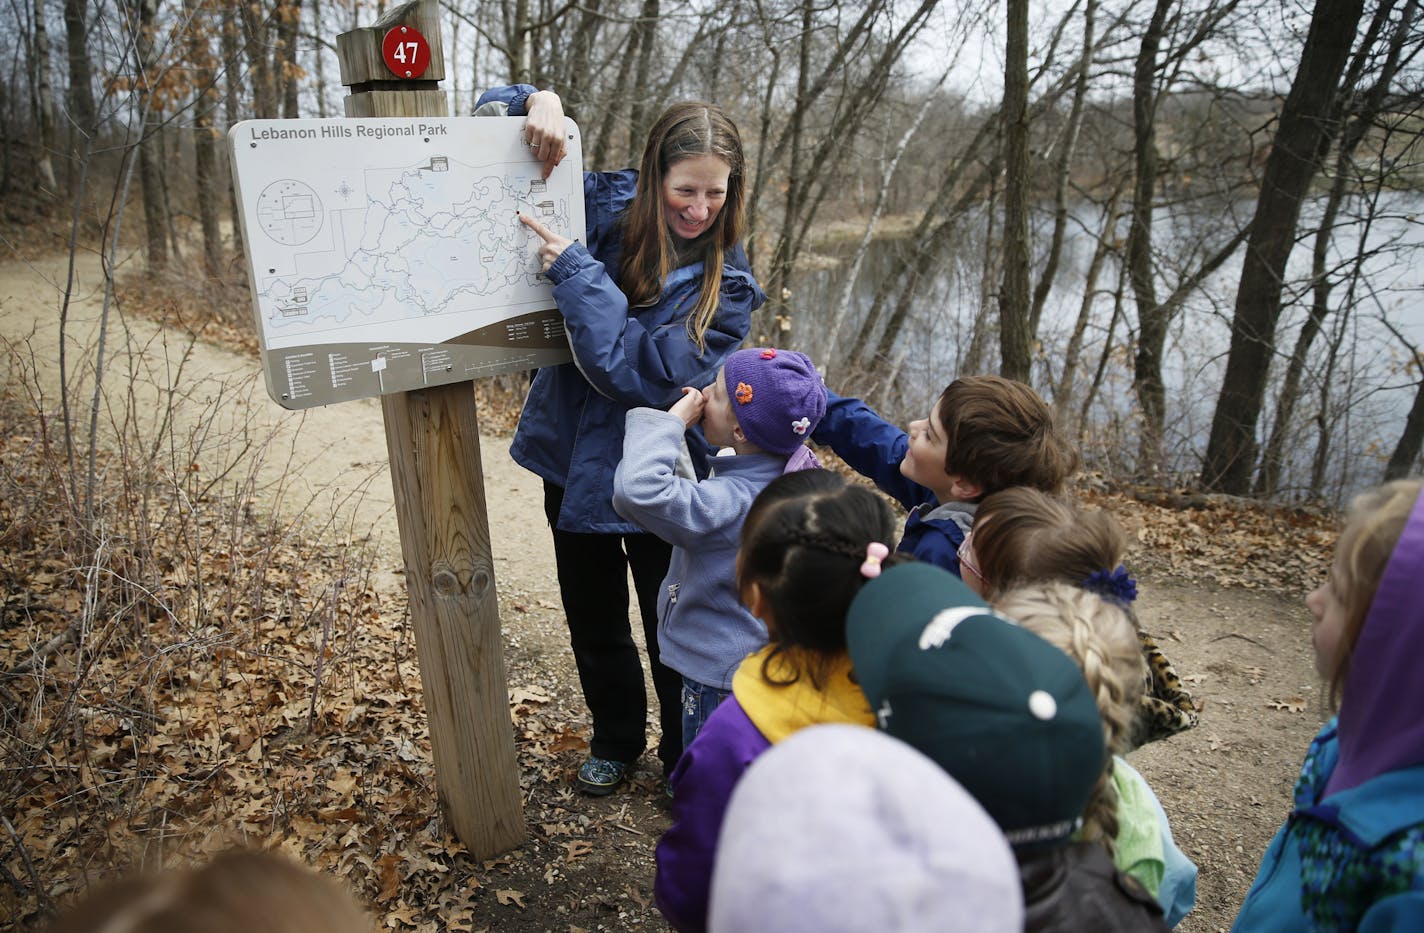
1007,714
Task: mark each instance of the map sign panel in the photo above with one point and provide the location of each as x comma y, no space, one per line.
386,254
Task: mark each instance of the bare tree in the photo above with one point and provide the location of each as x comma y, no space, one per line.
1014,337
1406,452
287,19
1067,147
255,28
1155,69
155,222
200,58
1362,112
80,94
43,102
1308,124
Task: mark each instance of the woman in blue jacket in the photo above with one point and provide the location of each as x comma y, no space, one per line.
655,298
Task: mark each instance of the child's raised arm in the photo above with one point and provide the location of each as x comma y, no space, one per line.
872,446
654,484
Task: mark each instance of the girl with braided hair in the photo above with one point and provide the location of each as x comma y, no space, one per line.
810,541
1123,813
1023,535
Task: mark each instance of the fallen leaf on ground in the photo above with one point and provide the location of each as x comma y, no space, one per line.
528,695
389,866
510,896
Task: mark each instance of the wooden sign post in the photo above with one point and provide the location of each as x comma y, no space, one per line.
393,69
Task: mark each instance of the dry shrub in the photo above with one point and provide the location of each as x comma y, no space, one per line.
156,628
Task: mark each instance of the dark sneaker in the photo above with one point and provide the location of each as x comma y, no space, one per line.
599,776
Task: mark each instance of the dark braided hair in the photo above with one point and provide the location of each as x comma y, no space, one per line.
803,542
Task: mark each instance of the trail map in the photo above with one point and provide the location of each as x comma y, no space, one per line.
386,254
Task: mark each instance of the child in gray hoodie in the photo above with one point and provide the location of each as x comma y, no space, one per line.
763,407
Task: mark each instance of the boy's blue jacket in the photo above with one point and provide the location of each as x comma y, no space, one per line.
1352,861
571,427
874,447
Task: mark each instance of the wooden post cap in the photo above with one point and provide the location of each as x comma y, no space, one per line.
366,54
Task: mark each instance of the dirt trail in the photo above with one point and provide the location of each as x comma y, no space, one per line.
322,462
1225,785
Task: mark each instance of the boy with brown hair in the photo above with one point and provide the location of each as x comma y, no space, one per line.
984,433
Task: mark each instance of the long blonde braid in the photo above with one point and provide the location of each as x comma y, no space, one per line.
1102,639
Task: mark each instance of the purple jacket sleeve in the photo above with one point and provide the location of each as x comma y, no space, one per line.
702,785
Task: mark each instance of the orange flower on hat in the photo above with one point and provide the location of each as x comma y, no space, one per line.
768,354
744,393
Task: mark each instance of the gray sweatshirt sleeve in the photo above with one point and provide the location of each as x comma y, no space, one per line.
648,489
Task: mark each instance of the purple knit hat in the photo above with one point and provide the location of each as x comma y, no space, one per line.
777,396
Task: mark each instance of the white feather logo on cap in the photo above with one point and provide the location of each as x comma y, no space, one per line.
937,632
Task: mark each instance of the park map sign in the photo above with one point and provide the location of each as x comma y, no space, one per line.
386,255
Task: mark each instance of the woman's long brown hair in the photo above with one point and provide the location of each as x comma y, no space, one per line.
691,128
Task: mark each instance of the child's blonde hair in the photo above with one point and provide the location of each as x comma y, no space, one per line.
1100,637
1025,535
1376,519
241,891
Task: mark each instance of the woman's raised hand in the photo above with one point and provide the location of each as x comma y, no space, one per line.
544,130
552,247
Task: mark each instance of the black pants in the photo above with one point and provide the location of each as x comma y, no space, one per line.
593,583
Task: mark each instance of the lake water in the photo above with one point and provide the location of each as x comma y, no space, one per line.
1370,390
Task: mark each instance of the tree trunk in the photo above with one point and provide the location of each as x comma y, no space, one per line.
1360,121
232,93
154,220
255,28
1324,421
166,159
775,310
990,272
639,118
1067,148
1406,452
817,160
1095,386
585,40
1063,393
620,87
1307,126
1152,322
81,83
6,140
1014,339
200,59
321,69
44,104
284,55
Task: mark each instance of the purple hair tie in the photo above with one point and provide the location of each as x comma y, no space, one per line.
1115,584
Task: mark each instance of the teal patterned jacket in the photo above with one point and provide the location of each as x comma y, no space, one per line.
1354,861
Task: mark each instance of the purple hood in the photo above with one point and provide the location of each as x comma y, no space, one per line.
1382,708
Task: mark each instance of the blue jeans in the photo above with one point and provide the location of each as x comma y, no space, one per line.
698,702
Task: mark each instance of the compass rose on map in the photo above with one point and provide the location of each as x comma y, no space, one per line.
289,212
